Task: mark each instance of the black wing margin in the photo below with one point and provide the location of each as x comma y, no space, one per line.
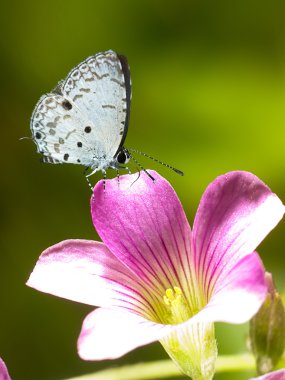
127,77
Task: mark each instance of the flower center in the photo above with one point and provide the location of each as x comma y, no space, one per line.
177,309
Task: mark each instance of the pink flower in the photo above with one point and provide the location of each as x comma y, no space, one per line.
277,375
154,279
4,375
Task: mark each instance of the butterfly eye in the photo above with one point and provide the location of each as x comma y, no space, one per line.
121,157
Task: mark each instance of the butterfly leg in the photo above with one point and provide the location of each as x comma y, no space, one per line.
89,183
126,168
87,179
118,177
94,171
104,179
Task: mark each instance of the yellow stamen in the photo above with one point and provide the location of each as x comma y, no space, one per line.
177,309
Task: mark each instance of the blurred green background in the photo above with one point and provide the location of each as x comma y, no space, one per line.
208,97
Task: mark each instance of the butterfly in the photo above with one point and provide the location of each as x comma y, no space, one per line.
85,119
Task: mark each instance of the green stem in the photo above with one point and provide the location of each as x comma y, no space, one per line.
164,369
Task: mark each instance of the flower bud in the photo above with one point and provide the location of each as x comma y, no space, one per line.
267,330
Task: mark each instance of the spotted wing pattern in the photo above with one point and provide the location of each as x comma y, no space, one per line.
85,119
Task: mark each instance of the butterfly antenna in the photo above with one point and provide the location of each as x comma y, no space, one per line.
142,168
156,160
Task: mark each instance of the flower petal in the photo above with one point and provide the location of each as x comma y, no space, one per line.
144,225
239,296
87,272
235,214
111,333
3,371
276,375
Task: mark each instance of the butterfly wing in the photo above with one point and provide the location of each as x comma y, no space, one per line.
56,126
85,119
101,88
